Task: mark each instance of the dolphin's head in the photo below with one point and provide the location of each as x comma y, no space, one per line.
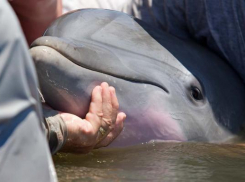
170,89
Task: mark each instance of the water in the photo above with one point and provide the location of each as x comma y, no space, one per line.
199,162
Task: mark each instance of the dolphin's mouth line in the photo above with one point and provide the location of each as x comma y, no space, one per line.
126,78
119,77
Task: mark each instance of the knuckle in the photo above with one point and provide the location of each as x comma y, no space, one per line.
111,128
108,121
99,115
89,116
116,106
85,131
93,117
90,133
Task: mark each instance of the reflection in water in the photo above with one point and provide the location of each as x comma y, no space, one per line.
156,162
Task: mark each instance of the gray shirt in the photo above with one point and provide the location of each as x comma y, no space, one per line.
24,152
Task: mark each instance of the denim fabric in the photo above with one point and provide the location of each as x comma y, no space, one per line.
217,24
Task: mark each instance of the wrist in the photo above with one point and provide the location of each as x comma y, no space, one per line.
56,130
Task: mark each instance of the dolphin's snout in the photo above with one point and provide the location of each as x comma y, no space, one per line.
90,56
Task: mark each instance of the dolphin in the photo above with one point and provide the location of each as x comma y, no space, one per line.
170,89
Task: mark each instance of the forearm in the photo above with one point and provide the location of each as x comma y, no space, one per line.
36,15
56,129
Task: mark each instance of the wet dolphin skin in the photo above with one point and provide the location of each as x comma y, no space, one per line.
170,89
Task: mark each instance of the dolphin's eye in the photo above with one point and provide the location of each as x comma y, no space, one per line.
196,93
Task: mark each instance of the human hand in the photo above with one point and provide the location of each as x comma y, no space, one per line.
101,125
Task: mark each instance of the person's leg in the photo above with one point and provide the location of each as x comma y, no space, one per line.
36,16
163,14
24,153
219,24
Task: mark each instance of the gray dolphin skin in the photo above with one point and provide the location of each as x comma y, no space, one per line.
171,90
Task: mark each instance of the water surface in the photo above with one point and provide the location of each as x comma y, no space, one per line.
175,162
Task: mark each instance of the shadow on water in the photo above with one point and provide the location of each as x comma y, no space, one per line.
156,162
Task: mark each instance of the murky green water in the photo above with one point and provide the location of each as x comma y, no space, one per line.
197,162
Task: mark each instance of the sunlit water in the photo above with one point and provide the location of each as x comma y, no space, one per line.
198,162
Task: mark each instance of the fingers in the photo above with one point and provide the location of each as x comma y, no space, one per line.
109,108
114,103
95,109
106,107
103,114
115,131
